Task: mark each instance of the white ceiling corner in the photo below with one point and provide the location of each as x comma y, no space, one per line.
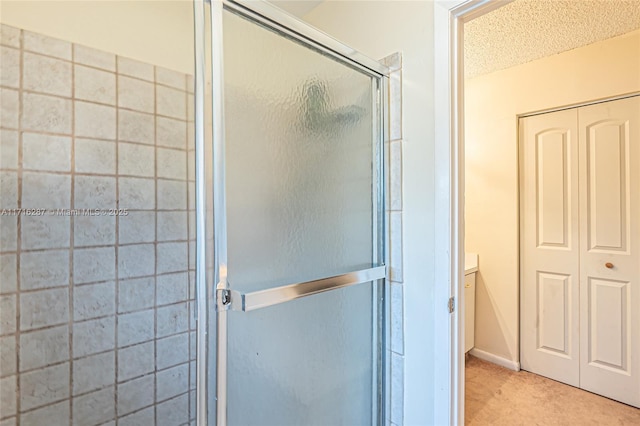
526,30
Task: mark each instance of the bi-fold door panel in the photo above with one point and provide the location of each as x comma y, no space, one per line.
610,250
550,269
301,215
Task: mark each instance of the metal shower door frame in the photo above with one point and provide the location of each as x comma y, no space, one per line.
214,296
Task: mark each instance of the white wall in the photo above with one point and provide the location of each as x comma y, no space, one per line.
378,29
152,31
492,101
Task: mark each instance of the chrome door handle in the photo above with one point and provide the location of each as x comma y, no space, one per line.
238,301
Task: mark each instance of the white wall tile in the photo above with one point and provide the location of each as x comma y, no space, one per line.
7,314
94,408
9,36
139,418
135,361
9,190
395,105
11,421
172,288
93,57
44,269
172,319
395,175
137,193
136,126
173,412
94,192
192,373
46,113
192,317
191,166
8,356
46,232
95,121
171,78
8,230
95,156
93,336
94,300
8,273
135,94
172,350
396,258
94,264
9,149
171,133
172,257
94,230
41,387
191,254
94,85
8,388
135,394
397,315
135,68
191,137
136,160
192,344
190,108
56,414
94,372
136,327
136,260
47,191
44,308
192,408
137,227
46,75
46,152
171,102
172,195
397,388
172,382
172,226
9,67
9,108
44,347
46,45
172,164
136,294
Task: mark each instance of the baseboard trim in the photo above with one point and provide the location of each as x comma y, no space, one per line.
495,359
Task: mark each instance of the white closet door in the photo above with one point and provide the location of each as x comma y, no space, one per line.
610,249
550,246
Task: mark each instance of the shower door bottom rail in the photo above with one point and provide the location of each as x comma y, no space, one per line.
227,299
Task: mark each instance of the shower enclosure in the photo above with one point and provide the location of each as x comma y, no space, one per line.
199,247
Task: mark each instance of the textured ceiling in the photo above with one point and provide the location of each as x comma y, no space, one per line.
526,30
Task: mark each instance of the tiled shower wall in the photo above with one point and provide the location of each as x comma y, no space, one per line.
96,311
395,293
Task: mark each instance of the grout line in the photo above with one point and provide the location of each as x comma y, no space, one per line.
18,381
71,240
155,263
116,284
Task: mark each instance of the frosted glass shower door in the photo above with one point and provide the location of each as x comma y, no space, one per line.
300,271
